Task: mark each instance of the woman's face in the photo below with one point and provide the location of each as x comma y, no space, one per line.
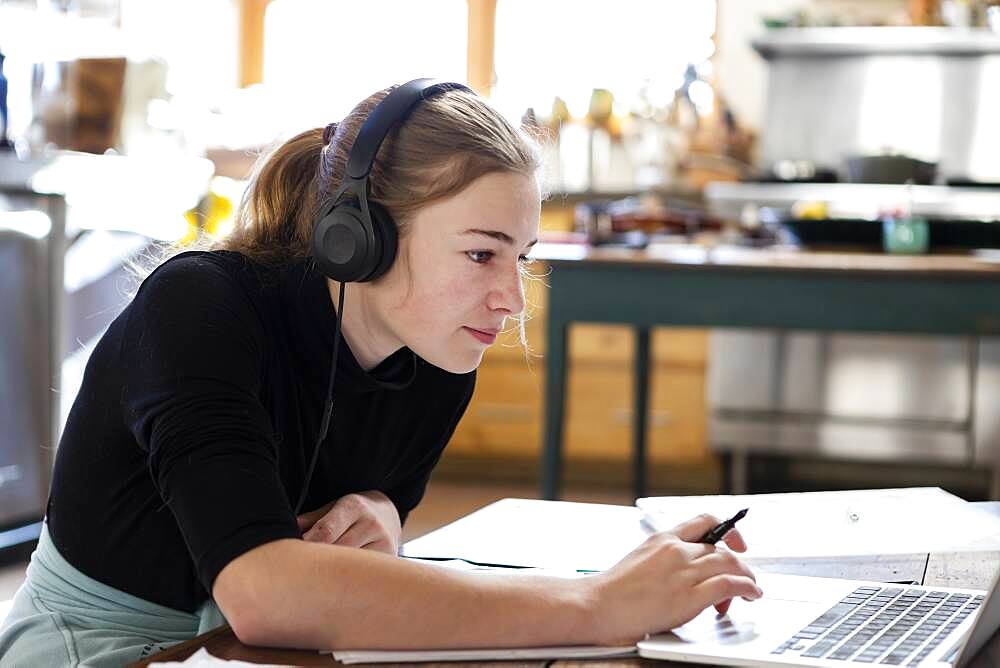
457,278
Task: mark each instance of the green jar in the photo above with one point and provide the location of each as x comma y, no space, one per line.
905,235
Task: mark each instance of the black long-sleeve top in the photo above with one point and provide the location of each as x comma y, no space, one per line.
196,420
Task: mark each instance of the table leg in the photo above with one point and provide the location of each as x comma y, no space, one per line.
738,474
555,407
641,411
55,206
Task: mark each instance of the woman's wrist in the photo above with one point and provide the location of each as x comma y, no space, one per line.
585,596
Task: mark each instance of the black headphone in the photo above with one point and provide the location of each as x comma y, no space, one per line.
354,239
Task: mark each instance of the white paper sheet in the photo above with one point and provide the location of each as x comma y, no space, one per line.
529,532
842,523
467,567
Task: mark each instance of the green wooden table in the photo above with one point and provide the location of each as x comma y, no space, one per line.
690,286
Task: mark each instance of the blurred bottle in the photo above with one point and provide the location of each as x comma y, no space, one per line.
684,114
5,144
958,13
573,147
610,165
993,16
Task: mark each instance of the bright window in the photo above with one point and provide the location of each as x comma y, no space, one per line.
637,49
195,38
324,57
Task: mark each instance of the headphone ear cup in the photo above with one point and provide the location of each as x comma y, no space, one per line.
386,239
341,244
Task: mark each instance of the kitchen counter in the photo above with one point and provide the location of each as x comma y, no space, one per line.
858,200
693,256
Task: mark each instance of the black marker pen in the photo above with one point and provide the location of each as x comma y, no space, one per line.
715,534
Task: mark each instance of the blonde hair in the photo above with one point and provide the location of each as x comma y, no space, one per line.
447,142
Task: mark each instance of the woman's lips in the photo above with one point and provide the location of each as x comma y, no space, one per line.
484,336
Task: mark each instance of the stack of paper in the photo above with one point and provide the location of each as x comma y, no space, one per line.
513,654
844,523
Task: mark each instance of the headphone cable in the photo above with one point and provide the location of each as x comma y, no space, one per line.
328,405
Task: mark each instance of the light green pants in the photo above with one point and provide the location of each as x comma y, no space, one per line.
61,617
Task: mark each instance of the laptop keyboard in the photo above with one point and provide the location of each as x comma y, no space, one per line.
885,625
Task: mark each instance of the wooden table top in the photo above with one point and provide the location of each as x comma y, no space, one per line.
967,569
694,256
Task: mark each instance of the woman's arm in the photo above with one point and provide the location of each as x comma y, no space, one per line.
308,595
291,593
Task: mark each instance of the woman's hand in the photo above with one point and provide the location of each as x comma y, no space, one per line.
668,580
368,520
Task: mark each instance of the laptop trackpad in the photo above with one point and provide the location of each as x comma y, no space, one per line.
770,621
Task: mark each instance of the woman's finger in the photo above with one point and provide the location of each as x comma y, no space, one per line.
696,527
734,539
727,586
330,527
381,544
356,536
306,520
720,562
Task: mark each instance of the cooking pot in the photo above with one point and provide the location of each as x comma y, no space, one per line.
890,169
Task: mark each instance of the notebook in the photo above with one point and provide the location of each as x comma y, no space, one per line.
509,654
807,621
841,523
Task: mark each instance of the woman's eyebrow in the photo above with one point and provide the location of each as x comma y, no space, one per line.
499,236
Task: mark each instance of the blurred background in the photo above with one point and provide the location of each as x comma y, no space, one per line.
804,125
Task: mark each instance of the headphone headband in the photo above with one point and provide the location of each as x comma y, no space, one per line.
393,109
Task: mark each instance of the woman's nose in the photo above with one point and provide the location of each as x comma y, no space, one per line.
509,295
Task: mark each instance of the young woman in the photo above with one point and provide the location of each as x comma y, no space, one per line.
191,444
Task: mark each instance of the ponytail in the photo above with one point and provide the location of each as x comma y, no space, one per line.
275,219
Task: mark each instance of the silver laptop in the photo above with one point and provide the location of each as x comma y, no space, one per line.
806,621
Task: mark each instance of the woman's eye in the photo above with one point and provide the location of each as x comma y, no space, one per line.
523,259
480,257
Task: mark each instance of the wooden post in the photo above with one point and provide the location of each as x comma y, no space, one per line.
251,41
482,23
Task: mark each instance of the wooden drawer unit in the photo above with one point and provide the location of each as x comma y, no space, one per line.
599,414
505,415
